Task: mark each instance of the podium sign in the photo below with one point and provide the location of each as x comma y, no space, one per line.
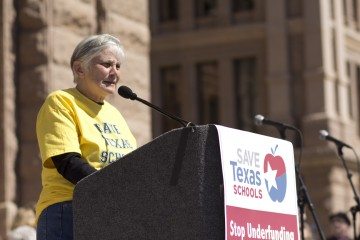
259,186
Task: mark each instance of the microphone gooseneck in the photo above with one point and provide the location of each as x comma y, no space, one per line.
324,135
261,120
127,93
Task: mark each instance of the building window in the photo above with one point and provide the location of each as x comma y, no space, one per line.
334,50
337,96
168,16
245,92
355,10
332,10
294,8
205,8
348,69
206,13
350,102
208,98
358,94
349,89
171,95
244,11
168,10
345,12
243,5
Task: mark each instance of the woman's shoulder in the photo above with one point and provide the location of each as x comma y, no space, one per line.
63,93
60,97
67,94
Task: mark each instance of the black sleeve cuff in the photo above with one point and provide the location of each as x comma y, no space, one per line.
72,167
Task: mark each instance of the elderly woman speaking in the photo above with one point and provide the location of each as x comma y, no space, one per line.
76,131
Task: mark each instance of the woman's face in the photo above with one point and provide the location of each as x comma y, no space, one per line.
101,75
339,228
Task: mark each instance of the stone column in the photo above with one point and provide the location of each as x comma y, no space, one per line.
226,92
186,19
342,81
191,113
8,141
32,82
224,11
277,78
318,60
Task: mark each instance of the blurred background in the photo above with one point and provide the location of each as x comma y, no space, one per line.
207,61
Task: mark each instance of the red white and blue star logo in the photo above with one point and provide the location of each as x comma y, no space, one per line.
275,176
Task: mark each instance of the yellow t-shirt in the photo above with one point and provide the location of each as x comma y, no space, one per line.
70,122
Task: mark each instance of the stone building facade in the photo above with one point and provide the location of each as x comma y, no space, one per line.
38,37
295,61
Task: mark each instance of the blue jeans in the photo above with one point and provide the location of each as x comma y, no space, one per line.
56,222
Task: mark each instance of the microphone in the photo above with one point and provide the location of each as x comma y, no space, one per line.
127,93
324,135
281,127
261,120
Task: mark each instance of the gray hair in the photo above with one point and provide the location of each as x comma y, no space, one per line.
91,46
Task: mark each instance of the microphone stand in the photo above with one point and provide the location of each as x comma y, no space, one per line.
303,195
179,120
303,199
182,122
127,93
355,208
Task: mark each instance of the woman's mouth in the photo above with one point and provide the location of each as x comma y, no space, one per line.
109,82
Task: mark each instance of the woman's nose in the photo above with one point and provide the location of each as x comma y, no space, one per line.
113,69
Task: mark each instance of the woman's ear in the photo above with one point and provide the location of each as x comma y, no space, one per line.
78,69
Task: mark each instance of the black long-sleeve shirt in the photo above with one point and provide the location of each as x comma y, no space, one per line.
72,166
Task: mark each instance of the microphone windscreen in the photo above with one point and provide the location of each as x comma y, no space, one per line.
126,92
258,119
323,134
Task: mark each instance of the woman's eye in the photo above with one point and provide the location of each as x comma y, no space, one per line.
107,65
